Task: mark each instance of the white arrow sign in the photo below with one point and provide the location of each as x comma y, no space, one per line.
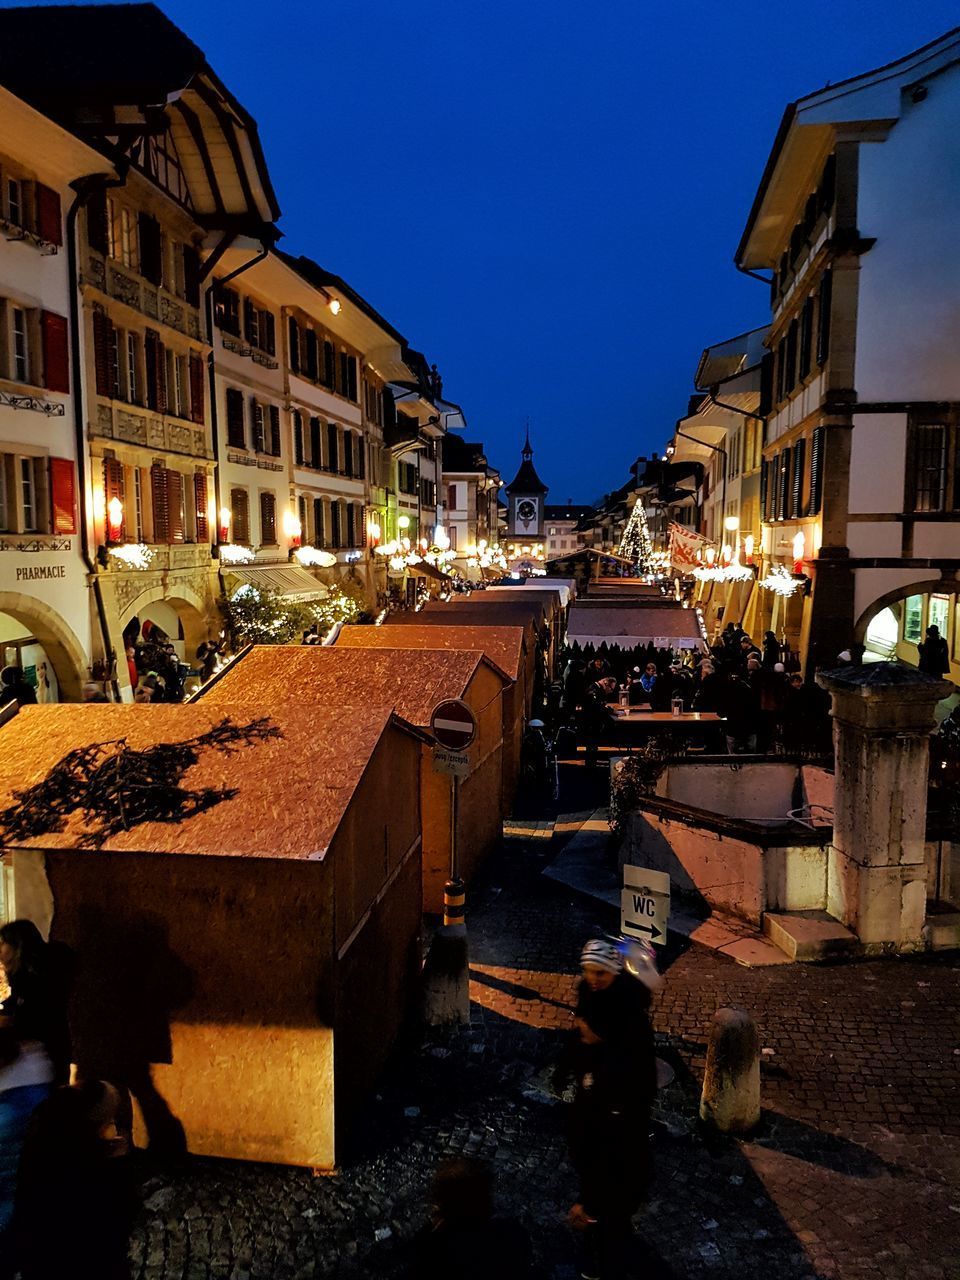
645,904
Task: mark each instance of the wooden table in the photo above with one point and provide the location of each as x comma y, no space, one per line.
634,725
637,715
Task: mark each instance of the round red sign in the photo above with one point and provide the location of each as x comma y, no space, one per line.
453,725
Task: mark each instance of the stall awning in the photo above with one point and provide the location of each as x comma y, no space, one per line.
287,580
625,628
424,569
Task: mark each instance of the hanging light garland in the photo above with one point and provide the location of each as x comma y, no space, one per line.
781,582
133,555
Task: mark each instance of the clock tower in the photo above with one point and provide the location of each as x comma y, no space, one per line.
526,495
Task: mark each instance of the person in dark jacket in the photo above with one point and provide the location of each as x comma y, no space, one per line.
771,650
75,1201
934,654
36,1007
13,688
465,1241
609,1120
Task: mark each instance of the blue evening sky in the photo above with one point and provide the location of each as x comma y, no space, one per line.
543,196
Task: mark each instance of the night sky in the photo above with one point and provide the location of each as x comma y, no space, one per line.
543,196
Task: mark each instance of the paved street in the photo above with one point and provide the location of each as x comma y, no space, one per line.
855,1173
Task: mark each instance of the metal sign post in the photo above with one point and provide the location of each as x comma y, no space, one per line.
454,728
645,904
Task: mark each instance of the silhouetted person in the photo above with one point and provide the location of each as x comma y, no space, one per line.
13,688
38,977
934,654
465,1241
26,1078
75,1201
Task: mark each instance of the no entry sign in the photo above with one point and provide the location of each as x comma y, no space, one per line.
453,725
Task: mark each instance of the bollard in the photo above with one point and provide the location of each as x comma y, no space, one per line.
454,900
730,1100
446,978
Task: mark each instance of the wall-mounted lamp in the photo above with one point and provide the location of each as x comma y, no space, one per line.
114,520
334,304
732,523
225,524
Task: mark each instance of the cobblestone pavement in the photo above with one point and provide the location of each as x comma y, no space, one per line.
855,1173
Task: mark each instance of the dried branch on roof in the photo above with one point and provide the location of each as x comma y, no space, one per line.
117,788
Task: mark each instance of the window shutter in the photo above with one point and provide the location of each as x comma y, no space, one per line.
200,499
161,502
316,444
806,336
268,332
175,505
97,236
256,417
63,495
49,222
823,328
275,430
329,378
764,489
191,275
312,355
796,481
335,525
268,519
333,451
352,390
766,384
343,377
783,485
196,387
298,437
101,352
113,488
293,330
240,511
156,380
56,361
236,437
816,472
151,256
249,320
348,453
361,458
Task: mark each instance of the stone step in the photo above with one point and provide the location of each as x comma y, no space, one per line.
943,930
808,935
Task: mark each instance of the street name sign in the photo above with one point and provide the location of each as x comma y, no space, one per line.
645,904
453,725
454,763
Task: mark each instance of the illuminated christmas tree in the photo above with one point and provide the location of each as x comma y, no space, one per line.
636,544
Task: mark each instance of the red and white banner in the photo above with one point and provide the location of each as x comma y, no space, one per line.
684,548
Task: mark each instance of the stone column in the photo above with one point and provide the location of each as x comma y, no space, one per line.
882,720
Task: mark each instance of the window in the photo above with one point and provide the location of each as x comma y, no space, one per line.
229,312
19,345
790,370
913,619
138,504
333,447
268,519
122,244
816,471
298,438
28,488
293,331
316,443
177,381
236,436
318,522
133,368
806,337
259,429
939,613
240,511
930,467
14,203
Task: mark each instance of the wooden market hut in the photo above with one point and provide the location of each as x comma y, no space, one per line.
413,682
552,600
503,647
247,940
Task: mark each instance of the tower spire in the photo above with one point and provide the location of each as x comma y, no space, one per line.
527,450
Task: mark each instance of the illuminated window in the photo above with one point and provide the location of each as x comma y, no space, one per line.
913,619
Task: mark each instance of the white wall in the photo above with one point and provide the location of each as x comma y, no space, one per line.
877,460
909,310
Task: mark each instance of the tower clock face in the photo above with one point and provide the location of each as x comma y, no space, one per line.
526,512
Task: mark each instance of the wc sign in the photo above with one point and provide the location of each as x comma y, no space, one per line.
645,904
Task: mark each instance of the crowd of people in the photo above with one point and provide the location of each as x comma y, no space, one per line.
758,691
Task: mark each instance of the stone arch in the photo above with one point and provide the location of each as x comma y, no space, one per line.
190,607
71,664
926,586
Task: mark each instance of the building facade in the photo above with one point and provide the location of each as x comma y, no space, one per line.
860,484
470,487
526,498
561,529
